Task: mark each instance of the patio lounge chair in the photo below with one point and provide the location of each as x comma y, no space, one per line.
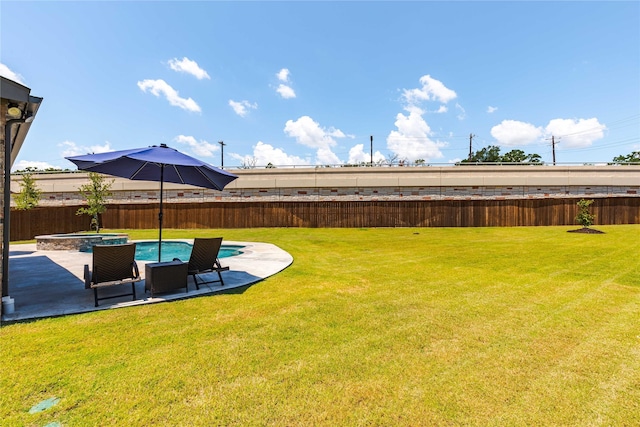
112,265
204,259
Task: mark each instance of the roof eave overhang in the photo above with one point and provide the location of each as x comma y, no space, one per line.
19,94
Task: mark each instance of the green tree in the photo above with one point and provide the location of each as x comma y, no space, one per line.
584,217
514,156
634,157
491,154
534,158
95,193
29,195
519,156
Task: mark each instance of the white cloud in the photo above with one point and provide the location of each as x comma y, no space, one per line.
412,124
263,154
411,141
286,91
283,75
70,148
23,164
158,87
324,156
266,154
6,72
513,133
462,114
576,133
199,148
431,90
240,107
357,155
491,109
185,65
309,133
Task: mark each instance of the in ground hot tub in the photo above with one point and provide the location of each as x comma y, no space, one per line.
78,242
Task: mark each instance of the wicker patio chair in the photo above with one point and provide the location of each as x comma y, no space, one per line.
113,265
204,259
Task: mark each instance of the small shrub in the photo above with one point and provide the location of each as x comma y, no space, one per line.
29,195
584,217
95,193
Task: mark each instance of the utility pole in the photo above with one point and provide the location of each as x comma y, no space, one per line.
371,140
553,148
470,145
222,144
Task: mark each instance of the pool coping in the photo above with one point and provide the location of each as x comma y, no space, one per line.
50,283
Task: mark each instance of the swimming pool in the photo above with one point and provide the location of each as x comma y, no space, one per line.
148,251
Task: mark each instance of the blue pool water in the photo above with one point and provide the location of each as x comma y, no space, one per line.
148,251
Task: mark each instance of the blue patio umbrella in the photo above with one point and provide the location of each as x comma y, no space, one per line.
156,163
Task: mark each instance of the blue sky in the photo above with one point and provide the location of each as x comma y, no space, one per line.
310,82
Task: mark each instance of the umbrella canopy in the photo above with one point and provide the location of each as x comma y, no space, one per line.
156,163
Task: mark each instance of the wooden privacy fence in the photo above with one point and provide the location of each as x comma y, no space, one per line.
429,213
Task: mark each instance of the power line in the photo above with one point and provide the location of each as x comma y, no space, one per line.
610,126
620,143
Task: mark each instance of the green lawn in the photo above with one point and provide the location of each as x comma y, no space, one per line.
430,326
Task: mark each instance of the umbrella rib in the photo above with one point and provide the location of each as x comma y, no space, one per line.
133,175
175,167
216,186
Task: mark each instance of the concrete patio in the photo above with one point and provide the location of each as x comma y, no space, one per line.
51,283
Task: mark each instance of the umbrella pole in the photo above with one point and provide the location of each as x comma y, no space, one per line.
160,214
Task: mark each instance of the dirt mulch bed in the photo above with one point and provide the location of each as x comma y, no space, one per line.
586,230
